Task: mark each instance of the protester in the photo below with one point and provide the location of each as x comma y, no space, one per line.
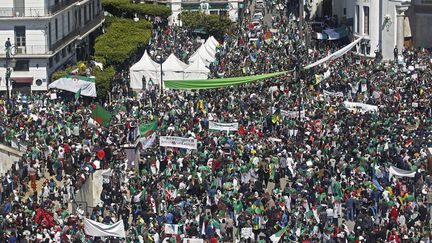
326,177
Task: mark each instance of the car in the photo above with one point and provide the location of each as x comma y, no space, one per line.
258,15
259,7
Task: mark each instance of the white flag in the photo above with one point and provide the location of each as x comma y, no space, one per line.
94,228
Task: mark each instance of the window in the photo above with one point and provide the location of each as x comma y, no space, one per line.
50,63
344,11
21,65
366,20
20,36
56,29
357,24
57,57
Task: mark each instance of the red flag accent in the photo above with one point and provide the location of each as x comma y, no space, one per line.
242,130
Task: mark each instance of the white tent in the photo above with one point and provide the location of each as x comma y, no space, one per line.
213,40
146,68
196,70
210,45
203,54
210,48
173,68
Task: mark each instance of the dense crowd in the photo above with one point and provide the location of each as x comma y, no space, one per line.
323,178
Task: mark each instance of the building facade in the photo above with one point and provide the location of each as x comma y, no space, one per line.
386,24
232,8
44,36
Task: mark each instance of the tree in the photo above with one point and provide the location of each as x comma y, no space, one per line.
216,25
115,47
125,8
103,80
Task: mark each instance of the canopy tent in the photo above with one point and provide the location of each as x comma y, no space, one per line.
213,40
202,53
217,83
196,71
210,49
146,68
332,34
173,68
74,83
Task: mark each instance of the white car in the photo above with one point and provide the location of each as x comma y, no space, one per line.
258,15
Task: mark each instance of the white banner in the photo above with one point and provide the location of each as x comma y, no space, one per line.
75,83
192,240
362,107
335,94
335,55
293,114
94,228
223,126
178,142
399,172
172,229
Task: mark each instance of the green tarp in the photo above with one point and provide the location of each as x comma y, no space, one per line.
217,83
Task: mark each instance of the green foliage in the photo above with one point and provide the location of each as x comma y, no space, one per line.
103,80
122,38
125,8
215,25
61,73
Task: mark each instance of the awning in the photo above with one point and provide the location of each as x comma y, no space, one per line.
22,80
200,30
332,34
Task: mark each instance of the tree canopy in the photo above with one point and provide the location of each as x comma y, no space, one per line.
216,25
115,47
125,8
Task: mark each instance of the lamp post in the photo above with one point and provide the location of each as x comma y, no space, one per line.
159,59
9,65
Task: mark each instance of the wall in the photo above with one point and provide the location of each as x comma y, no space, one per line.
8,156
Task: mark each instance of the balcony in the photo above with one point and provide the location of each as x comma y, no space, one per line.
35,12
29,50
60,6
22,12
79,32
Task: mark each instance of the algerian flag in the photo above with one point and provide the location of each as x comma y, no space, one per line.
74,83
148,135
278,235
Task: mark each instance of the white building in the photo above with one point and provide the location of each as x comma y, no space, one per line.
384,24
45,34
218,7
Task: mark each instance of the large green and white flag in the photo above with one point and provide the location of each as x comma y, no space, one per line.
74,83
278,235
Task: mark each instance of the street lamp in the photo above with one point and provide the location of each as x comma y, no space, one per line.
159,60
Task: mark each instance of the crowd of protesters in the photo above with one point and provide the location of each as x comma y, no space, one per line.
322,178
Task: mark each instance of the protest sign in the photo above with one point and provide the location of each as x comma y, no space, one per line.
293,114
223,126
335,94
178,142
360,106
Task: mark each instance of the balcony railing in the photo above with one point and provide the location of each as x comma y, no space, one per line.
26,50
78,32
35,12
59,6
91,24
22,12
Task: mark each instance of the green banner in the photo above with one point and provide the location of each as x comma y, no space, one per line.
218,82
